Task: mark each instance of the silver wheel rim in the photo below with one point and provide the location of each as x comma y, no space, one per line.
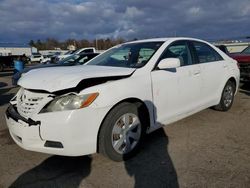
228,95
126,133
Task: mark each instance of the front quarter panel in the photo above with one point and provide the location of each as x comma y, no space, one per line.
137,86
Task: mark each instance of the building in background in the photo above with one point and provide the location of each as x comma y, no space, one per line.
10,49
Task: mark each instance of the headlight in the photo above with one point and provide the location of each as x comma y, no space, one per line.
70,102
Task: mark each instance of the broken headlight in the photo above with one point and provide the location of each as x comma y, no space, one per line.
70,102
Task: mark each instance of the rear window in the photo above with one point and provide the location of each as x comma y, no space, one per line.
205,53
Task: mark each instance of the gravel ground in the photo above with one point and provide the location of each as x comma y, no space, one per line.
208,149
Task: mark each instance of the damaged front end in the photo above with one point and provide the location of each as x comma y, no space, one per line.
33,126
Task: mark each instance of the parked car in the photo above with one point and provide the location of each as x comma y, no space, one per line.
79,51
110,103
46,58
69,61
36,58
243,59
6,61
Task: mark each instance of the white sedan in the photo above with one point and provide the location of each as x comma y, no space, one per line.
108,105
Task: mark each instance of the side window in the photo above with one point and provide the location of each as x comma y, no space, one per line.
83,60
121,55
205,53
178,50
144,55
88,50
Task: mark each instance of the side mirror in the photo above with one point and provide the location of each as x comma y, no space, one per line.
169,63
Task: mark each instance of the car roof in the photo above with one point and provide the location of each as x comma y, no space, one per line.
164,39
88,53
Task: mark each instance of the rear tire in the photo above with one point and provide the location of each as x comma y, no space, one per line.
122,132
227,97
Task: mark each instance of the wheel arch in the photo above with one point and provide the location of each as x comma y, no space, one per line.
233,79
230,78
132,100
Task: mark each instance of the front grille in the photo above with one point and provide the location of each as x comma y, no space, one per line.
29,102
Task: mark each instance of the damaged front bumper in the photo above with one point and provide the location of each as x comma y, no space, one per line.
25,132
69,133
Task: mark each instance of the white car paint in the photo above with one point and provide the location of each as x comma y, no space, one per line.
168,96
71,76
36,58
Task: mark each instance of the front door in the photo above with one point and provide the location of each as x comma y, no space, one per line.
176,92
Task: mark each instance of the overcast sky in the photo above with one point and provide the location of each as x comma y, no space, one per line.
22,20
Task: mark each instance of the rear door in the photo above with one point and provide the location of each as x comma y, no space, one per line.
213,69
176,92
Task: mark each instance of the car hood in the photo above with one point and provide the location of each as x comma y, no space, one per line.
59,78
38,67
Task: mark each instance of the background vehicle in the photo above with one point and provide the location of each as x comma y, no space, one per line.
109,104
46,58
69,61
36,58
243,59
6,61
82,50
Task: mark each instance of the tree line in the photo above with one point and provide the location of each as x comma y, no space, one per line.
51,44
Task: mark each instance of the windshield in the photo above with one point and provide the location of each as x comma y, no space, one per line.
246,51
134,55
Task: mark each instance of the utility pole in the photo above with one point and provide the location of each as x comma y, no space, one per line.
175,34
96,44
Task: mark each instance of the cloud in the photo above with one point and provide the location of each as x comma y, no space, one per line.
22,20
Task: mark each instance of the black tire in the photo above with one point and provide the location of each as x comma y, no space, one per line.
225,105
105,137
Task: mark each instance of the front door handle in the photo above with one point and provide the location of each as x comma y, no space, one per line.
196,72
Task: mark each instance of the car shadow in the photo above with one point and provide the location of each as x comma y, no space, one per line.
245,88
153,166
56,171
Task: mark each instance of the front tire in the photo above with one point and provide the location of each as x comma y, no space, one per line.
227,97
121,132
